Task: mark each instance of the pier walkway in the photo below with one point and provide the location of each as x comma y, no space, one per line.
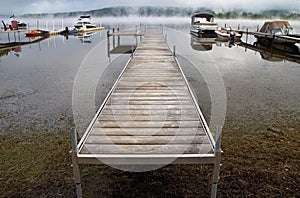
150,117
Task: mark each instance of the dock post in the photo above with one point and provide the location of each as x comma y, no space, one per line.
247,32
108,45
19,37
8,36
76,170
131,50
238,26
46,25
217,165
15,36
174,50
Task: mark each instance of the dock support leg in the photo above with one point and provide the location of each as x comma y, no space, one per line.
76,169
217,165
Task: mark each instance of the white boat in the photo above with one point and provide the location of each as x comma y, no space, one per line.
226,34
84,22
203,23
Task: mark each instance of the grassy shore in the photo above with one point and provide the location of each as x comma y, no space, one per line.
257,162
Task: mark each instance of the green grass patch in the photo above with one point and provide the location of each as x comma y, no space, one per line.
264,163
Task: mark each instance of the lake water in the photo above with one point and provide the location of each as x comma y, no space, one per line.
45,83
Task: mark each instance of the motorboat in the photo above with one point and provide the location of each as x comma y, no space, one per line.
84,22
35,33
31,33
279,35
66,31
227,34
276,28
16,25
203,23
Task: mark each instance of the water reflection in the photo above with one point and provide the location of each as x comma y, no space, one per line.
84,37
274,52
206,43
16,46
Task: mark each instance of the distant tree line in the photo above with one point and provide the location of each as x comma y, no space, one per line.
171,12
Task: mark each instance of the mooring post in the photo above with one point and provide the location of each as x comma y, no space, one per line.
8,37
257,28
108,44
114,39
19,37
238,26
174,50
15,36
247,32
76,170
46,25
217,165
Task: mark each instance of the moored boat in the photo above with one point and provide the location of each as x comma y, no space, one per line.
276,28
35,33
16,25
66,31
226,34
84,22
32,33
203,23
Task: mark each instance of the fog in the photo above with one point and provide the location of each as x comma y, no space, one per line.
19,7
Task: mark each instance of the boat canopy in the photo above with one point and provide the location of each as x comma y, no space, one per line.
85,16
275,27
208,17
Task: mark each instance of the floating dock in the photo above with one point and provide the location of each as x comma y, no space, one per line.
150,117
91,29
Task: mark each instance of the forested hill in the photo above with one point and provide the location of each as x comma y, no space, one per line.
171,12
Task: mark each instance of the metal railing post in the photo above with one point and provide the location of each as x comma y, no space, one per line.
217,165
76,170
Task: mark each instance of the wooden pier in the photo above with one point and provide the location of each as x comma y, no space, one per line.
150,117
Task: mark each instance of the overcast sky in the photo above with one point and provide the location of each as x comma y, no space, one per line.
18,7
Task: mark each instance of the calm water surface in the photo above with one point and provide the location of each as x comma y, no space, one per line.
233,84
